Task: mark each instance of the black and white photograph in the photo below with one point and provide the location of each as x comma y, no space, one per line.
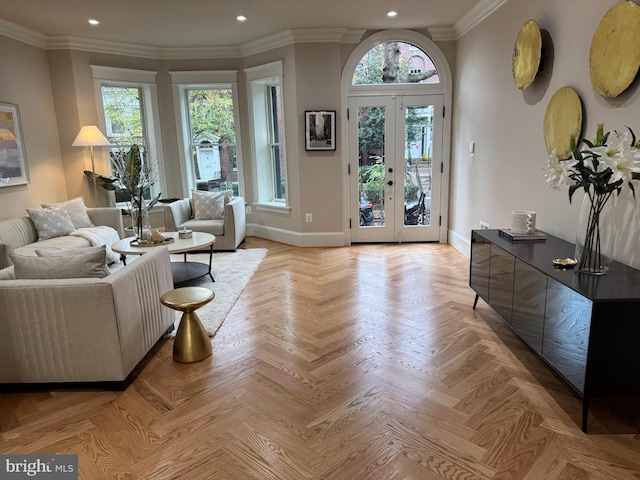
320,130
13,164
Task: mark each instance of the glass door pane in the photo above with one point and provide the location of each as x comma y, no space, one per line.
371,165
372,180
418,154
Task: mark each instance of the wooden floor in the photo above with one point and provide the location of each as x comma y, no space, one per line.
363,362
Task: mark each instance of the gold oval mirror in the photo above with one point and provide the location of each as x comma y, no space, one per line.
614,57
527,53
563,121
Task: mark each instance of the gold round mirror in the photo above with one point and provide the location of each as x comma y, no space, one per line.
614,57
563,121
527,53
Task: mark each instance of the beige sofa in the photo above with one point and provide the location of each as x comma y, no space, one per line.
229,232
19,234
84,329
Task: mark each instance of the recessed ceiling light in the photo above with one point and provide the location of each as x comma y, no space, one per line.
392,14
241,18
93,21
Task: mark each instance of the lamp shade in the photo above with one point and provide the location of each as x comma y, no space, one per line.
90,136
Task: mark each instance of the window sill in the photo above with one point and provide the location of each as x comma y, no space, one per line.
272,207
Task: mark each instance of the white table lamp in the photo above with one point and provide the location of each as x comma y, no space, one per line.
90,136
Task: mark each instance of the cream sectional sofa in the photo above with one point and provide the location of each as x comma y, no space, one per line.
83,329
19,234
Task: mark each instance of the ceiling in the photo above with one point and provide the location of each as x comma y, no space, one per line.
163,24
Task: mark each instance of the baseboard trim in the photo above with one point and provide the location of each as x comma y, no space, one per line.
298,239
460,243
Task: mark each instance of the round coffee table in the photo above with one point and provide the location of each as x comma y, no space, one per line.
182,271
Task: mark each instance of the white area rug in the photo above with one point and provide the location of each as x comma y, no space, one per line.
232,272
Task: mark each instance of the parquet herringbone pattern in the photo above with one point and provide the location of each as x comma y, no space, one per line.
363,362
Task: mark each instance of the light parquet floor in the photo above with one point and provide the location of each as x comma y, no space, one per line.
363,362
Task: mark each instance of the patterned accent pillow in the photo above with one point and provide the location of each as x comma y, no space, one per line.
209,205
51,222
77,211
70,252
86,265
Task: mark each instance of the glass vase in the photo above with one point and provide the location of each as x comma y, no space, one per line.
140,221
594,238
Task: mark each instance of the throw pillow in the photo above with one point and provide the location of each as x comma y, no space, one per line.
77,211
87,265
209,205
51,222
69,252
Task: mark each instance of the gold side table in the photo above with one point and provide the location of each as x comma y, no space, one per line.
192,343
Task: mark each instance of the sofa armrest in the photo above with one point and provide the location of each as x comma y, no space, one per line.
5,250
109,216
235,224
141,318
176,213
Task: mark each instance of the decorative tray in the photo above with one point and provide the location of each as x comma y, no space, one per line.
166,241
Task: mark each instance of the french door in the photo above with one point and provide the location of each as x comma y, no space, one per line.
395,158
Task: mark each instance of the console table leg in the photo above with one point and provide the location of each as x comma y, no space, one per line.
475,302
585,413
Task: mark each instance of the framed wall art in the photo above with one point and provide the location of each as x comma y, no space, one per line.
13,162
320,129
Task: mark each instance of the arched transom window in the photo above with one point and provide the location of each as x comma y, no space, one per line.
395,62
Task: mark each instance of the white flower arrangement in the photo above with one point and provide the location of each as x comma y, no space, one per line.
601,168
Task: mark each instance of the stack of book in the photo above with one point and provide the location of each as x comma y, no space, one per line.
536,236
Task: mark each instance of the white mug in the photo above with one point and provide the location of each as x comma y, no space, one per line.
523,222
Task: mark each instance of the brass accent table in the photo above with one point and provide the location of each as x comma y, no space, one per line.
182,271
192,343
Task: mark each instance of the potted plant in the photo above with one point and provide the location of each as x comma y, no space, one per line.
132,176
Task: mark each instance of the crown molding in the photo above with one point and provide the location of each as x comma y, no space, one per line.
300,35
353,36
442,34
312,35
476,15
274,41
22,34
65,42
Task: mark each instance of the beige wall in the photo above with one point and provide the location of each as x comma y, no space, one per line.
506,123
25,81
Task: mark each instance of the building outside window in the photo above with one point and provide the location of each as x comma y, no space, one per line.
212,146
207,121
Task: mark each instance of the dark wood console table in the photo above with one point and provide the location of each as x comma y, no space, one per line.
586,327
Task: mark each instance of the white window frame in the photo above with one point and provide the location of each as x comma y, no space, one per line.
258,80
181,82
146,81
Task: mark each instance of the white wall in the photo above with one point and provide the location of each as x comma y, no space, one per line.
506,124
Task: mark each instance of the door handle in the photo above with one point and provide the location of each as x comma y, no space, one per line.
390,182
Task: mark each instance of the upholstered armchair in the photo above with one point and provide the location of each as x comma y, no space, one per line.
229,230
